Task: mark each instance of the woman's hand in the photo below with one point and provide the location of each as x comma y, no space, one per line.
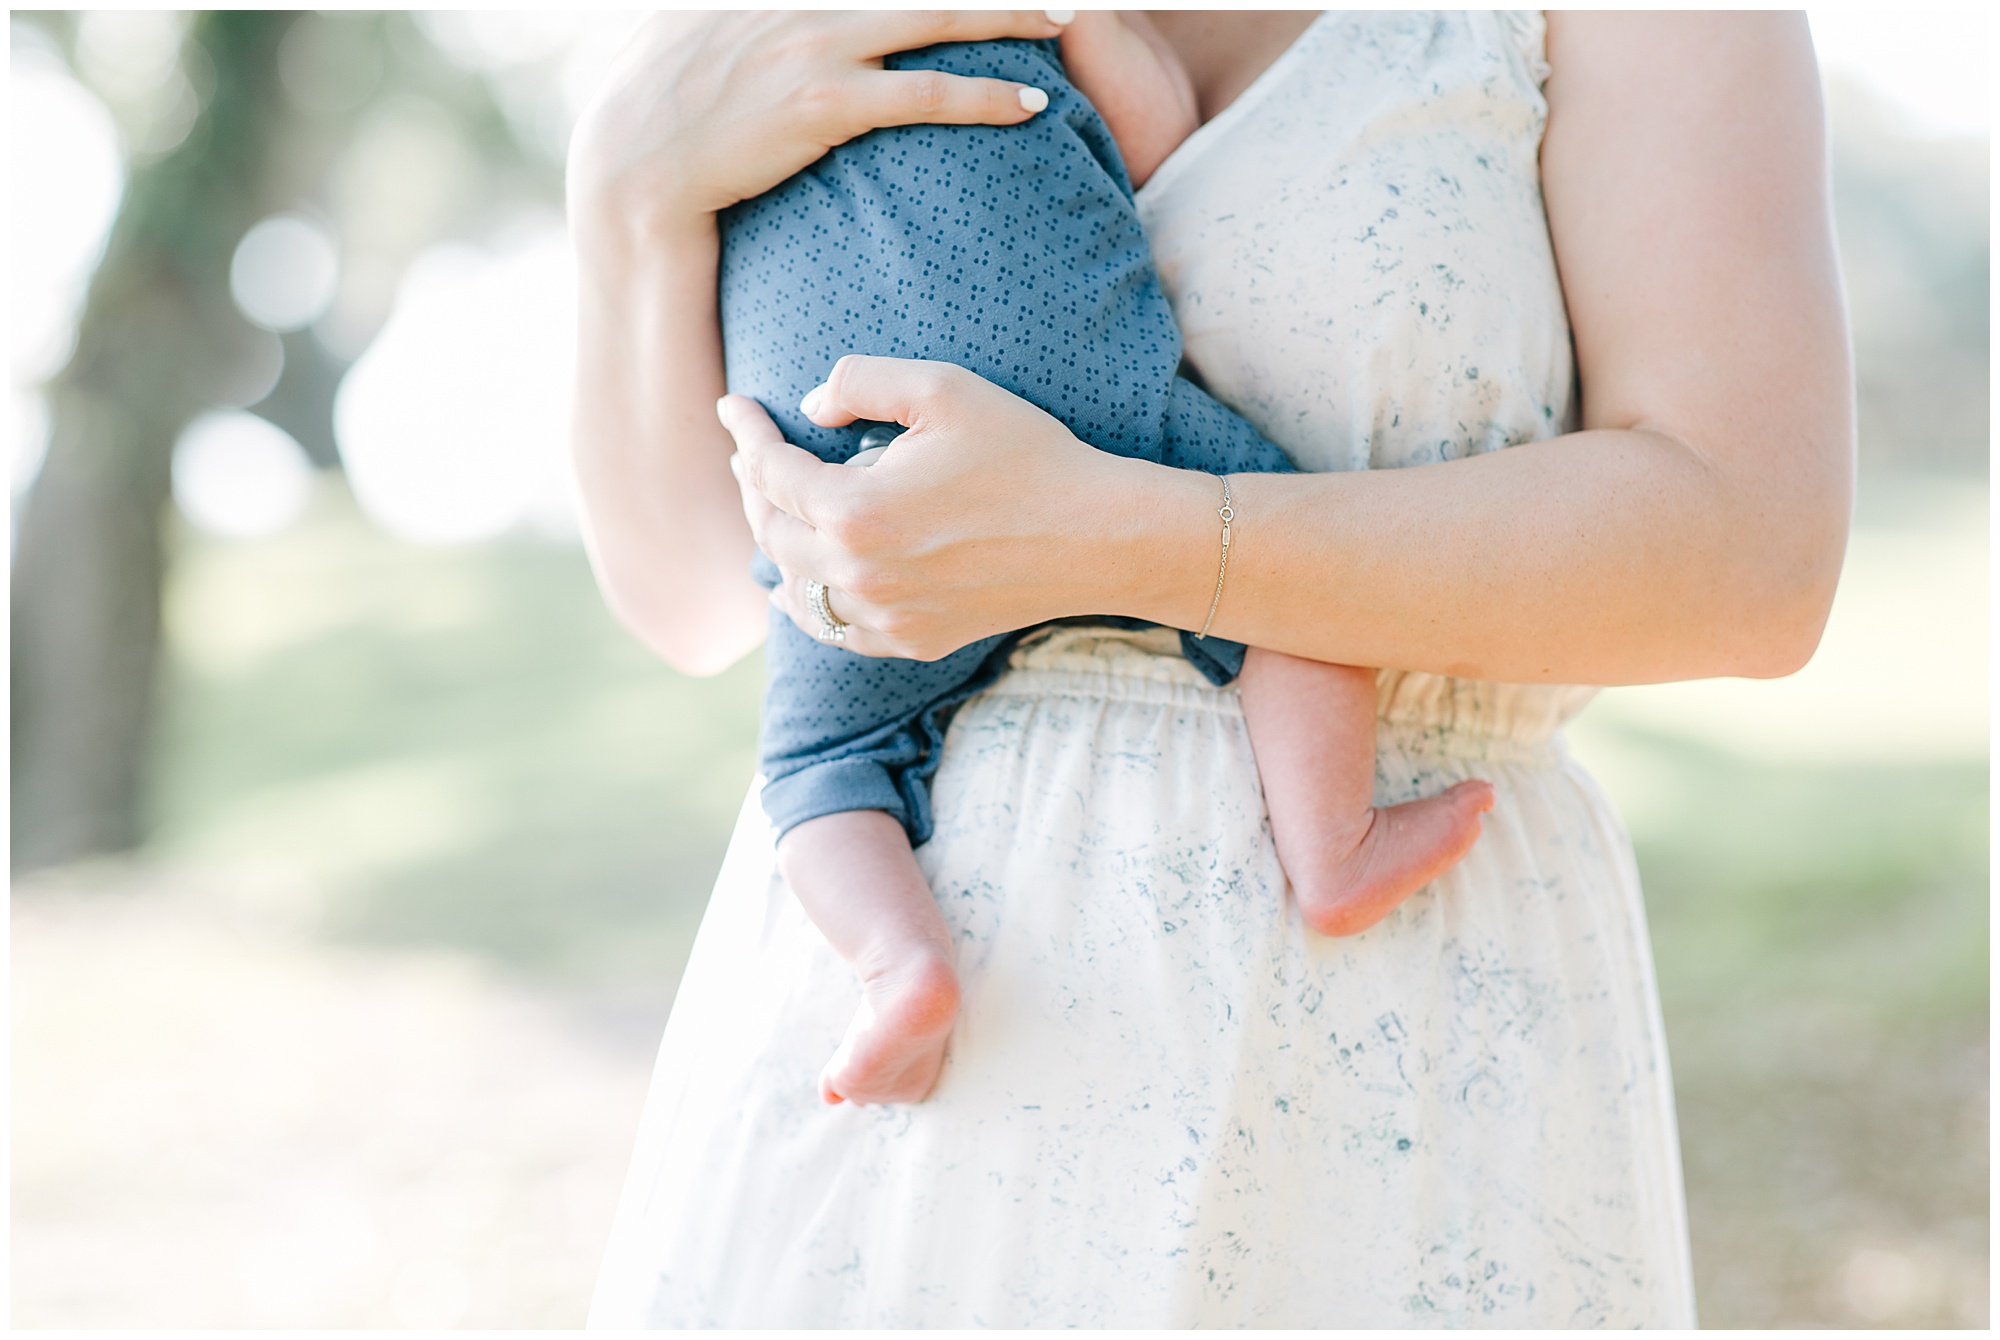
704,110
701,111
986,515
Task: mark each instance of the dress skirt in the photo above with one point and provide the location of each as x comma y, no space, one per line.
1167,1102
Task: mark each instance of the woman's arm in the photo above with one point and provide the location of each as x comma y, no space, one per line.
1694,528
665,535
704,110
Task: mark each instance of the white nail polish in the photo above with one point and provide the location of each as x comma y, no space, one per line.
1033,100
1060,16
811,403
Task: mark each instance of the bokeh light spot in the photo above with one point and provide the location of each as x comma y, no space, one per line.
128,52
454,425
495,39
238,476
285,272
67,174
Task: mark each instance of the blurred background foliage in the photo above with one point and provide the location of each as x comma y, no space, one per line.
309,673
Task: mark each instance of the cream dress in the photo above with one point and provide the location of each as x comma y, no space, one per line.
1167,1103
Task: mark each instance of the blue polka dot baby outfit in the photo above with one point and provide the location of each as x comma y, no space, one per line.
1015,252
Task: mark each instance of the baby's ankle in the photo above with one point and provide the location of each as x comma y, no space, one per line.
1346,882
909,966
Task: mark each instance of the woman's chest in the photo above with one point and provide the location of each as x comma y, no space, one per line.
1356,248
1225,51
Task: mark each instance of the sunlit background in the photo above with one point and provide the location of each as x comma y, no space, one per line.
357,851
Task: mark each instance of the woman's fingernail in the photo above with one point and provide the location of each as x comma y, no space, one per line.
722,410
1059,16
1033,100
811,403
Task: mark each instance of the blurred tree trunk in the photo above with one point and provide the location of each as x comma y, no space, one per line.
155,338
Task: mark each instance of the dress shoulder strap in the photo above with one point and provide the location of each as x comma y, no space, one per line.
1529,31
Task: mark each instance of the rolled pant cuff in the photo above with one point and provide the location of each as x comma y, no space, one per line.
832,787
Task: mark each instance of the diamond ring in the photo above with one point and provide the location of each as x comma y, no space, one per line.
832,628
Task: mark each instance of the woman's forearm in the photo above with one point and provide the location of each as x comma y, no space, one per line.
1670,546
666,531
1601,557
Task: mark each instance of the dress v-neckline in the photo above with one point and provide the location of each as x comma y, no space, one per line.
1191,148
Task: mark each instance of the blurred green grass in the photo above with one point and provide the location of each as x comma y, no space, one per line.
1821,937
1815,859
459,748
1856,891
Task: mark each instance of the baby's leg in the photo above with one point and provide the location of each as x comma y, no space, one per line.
857,879
1350,863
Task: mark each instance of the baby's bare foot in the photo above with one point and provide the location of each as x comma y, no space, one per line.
895,1045
1351,883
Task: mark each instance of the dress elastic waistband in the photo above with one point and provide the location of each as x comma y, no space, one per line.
1416,713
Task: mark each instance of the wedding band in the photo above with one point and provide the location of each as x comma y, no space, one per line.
832,628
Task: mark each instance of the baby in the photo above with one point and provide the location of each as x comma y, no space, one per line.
1015,252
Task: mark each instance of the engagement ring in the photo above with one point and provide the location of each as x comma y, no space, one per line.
832,628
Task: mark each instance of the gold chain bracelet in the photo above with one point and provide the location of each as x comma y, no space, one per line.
1228,515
